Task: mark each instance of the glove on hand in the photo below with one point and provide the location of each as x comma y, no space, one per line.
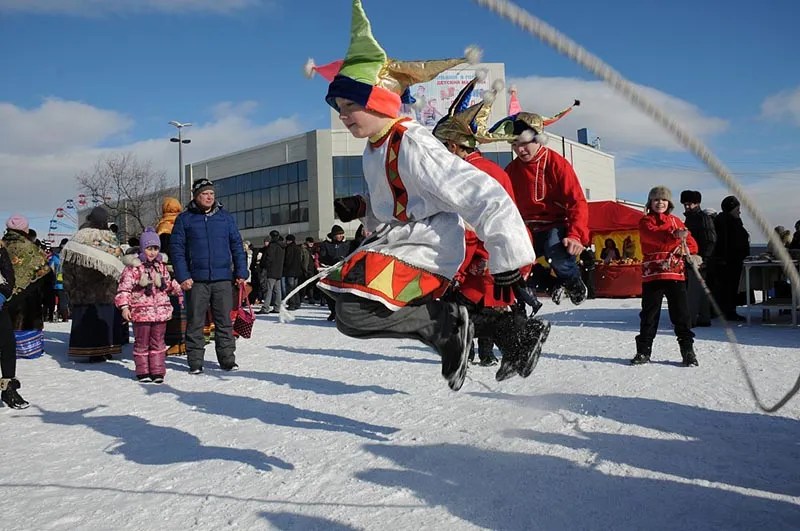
350,208
507,282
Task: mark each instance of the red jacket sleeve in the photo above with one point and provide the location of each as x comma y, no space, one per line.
573,200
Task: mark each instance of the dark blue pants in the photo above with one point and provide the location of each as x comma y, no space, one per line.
547,243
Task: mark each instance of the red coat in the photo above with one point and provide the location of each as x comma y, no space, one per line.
662,250
475,281
549,194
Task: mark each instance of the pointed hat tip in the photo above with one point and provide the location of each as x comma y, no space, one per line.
473,54
308,68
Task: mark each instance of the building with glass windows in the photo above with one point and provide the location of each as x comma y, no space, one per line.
289,185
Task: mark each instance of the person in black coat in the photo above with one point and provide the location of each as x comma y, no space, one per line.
8,343
271,272
330,252
733,245
701,227
292,269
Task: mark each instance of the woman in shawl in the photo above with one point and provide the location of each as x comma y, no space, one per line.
25,303
176,327
92,267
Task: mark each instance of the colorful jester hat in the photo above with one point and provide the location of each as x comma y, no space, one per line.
370,78
466,124
526,126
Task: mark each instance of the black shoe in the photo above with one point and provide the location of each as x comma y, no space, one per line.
97,359
195,370
556,295
537,331
143,377
158,378
576,291
9,394
332,317
688,355
640,359
455,350
229,368
489,360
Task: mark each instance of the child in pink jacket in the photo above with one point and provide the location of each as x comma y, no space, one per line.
143,298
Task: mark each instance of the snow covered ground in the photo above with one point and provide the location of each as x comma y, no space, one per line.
318,431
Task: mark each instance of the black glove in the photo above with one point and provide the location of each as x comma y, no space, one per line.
505,283
350,208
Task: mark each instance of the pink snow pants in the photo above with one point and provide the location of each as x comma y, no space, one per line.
149,349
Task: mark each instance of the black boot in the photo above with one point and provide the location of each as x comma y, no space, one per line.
485,352
576,291
9,393
687,353
520,339
455,350
643,350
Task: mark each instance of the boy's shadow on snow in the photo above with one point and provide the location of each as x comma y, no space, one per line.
289,521
627,320
320,386
144,443
586,489
359,356
275,413
747,450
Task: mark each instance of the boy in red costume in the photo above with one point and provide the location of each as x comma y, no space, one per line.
666,244
549,196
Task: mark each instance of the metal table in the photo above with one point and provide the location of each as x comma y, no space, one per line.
768,304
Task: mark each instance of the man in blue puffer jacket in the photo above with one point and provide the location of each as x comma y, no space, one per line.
207,254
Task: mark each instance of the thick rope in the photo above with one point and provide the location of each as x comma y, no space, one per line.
566,46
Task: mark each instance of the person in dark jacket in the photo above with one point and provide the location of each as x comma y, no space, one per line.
292,269
702,229
207,254
330,252
8,344
271,271
795,243
733,245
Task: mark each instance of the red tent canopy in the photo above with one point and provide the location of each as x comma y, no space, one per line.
608,216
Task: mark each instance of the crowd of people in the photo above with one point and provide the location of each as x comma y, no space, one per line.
446,252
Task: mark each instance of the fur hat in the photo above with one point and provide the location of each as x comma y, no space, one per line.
274,235
691,196
729,203
661,192
201,186
149,238
336,229
18,222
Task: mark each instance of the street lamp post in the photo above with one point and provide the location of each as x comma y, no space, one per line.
180,141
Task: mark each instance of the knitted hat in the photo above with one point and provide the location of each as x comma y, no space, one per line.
464,124
336,229
661,192
729,203
691,196
370,78
18,222
526,126
201,186
149,238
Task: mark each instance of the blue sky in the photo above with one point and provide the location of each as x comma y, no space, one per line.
81,77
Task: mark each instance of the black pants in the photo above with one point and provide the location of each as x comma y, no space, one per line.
220,295
699,305
677,302
8,346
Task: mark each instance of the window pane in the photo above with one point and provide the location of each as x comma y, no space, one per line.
341,187
274,196
240,183
294,213
256,198
248,200
265,213
239,202
248,182
302,170
303,193
284,194
303,210
339,167
275,216
357,185
283,174
248,219
292,169
292,192
263,179
284,216
240,219
355,167
503,159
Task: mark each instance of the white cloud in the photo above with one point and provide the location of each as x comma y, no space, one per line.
37,179
785,104
101,7
619,124
772,195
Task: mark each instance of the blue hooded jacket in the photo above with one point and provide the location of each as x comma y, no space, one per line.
207,247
